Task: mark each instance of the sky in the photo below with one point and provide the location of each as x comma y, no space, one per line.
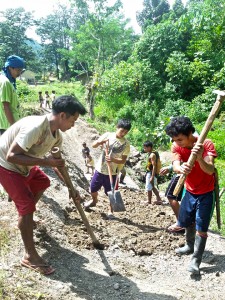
41,8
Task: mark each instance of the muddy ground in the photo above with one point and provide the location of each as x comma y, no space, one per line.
138,260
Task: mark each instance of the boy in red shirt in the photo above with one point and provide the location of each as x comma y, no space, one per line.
198,200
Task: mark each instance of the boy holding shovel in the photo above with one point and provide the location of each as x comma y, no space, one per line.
198,200
119,149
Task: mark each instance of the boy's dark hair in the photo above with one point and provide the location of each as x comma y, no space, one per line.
53,92
124,123
148,144
180,125
68,104
40,92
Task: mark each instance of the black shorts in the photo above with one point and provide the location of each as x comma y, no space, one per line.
171,187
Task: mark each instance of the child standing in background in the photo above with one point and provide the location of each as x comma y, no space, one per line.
89,164
47,100
40,98
53,96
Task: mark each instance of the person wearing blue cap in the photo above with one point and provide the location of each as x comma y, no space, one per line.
9,104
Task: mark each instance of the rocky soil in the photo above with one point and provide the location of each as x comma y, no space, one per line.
138,260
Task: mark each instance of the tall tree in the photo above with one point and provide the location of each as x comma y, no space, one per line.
53,31
13,38
152,12
206,20
100,42
178,8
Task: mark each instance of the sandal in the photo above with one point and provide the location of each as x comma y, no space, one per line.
40,268
175,228
157,203
110,216
89,204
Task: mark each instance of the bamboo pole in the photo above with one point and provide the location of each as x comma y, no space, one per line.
73,193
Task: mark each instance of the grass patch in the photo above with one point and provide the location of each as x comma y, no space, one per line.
220,165
4,239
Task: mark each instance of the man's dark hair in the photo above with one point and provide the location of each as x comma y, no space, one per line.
124,123
180,125
148,144
68,104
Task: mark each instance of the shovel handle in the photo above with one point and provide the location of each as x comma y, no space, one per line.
63,170
214,111
109,169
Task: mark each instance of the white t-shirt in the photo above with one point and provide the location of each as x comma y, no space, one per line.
33,135
117,149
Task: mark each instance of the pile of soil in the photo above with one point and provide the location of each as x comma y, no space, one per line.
138,260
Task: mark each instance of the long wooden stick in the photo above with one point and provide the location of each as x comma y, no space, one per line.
63,171
215,110
217,199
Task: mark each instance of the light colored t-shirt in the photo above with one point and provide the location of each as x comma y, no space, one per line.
53,96
117,149
7,94
33,135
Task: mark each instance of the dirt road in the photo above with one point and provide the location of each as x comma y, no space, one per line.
138,262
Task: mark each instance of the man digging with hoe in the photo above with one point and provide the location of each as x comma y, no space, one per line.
198,198
22,148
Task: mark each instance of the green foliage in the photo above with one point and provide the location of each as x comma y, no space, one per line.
13,39
143,117
28,95
152,12
189,78
157,43
123,79
102,39
219,79
207,30
217,136
220,165
4,239
23,89
159,137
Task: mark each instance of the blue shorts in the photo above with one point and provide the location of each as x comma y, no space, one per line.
196,209
100,180
148,185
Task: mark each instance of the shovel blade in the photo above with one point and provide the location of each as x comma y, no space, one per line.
116,201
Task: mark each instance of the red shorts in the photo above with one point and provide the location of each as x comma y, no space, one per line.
22,189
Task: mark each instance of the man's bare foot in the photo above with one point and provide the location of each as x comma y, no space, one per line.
40,267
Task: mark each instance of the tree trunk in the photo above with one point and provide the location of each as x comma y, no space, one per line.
91,89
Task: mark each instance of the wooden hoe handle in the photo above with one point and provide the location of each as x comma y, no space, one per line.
63,170
215,110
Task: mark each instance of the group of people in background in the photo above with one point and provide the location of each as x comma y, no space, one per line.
25,142
46,100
